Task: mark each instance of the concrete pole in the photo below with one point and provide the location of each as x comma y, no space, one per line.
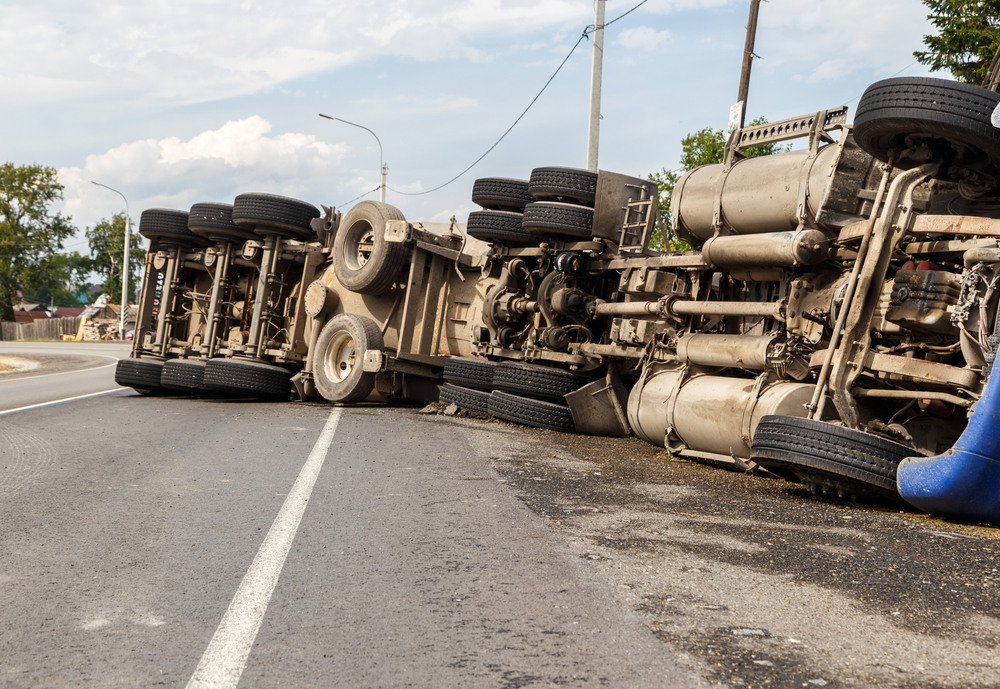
128,240
594,126
381,186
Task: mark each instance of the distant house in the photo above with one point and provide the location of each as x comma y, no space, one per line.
29,313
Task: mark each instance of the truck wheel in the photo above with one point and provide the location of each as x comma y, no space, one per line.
560,219
187,375
338,367
216,220
143,375
166,223
248,379
503,227
828,457
556,183
528,412
268,213
470,373
953,118
465,398
363,261
537,381
501,194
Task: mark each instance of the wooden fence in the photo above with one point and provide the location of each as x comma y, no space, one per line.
42,329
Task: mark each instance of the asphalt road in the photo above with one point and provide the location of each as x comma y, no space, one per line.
189,543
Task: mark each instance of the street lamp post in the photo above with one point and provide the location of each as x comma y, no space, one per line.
128,240
383,169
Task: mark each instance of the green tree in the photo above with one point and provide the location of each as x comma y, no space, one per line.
705,147
107,240
29,232
968,37
61,281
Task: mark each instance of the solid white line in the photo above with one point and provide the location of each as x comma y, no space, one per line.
226,656
64,373
67,399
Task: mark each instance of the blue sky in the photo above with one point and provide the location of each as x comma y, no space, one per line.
188,101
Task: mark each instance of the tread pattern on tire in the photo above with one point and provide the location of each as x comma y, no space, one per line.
206,219
563,182
564,219
536,381
501,194
908,104
183,374
253,209
163,223
142,374
248,379
499,226
465,398
529,412
470,373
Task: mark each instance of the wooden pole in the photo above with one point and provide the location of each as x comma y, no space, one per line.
748,58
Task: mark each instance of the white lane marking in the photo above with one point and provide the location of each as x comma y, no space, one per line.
65,373
226,656
67,399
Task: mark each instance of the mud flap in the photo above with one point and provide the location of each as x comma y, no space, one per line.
964,482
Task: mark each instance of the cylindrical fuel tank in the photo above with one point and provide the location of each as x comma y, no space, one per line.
709,413
769,250
743,351
758,195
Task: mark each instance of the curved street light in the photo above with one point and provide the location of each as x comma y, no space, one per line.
383,169
128,240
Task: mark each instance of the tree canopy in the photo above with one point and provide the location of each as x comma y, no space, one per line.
968,37
107,240
30,234
704,147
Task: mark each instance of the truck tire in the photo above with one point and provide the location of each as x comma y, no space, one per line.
271,214
470,373
142,375
946,111
465,398
558,219
501,194
187,375
338,368
536,381
832,458
559,183
363,261
529,412
499,227
241,378
212,220
168,224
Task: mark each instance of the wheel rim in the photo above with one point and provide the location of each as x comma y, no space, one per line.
339,359
359,246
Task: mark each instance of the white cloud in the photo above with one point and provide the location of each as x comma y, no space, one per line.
215,165
643,38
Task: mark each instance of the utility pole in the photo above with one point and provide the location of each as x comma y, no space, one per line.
748,59
594,126
383,168
123,321
381,186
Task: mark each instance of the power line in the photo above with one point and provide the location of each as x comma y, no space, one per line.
357,197
586,33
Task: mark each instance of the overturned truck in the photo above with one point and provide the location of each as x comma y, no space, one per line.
833,323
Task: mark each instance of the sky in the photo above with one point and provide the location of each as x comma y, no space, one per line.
189,101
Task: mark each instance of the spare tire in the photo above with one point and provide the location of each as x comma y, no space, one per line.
952,118
363,260
270,214
563,183
501,194
166,224
499,227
